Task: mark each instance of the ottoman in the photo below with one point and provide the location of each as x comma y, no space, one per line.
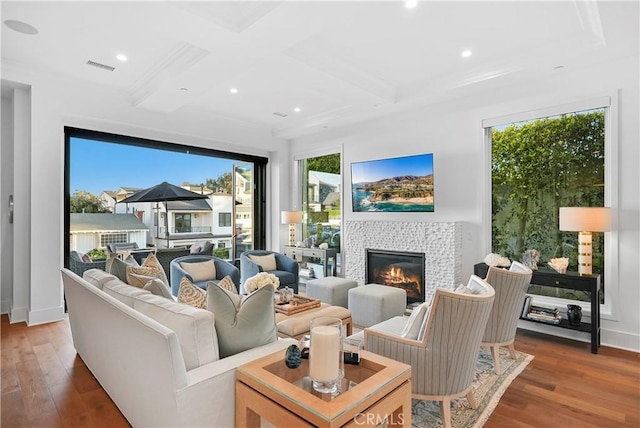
373,303
298,324
331,289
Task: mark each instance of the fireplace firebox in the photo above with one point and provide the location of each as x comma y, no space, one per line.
400,269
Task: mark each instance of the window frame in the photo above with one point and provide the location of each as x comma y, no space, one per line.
609,103
259,178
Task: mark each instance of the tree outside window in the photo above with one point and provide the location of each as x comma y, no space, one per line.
539,166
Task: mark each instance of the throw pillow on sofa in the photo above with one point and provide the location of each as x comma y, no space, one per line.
152,262
138,276
227,284
242,322
191,294
200,271
159,288
118,267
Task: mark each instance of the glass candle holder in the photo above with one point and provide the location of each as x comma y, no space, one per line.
325,354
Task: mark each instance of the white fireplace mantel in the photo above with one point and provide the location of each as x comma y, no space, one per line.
440,242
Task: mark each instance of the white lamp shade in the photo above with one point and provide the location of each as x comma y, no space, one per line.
289,217
585,219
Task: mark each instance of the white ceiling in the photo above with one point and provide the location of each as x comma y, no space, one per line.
340,62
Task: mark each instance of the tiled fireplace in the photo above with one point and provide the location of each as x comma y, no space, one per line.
441,244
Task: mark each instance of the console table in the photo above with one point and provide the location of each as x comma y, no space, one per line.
313,255
569,281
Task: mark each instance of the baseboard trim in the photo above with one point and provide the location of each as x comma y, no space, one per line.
5,307
44,316
18,314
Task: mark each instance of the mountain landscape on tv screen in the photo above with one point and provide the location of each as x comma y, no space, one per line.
402,193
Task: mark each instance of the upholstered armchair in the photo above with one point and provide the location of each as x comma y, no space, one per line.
511,288
444,355
197,269
285,268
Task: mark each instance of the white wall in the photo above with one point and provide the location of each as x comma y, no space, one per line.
453,132
6,189
45,110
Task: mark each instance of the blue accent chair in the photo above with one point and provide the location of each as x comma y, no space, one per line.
223,268
286,269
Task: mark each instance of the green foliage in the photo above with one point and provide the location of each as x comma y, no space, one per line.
221,184
86,202
538,167
222,253
328,163
97,254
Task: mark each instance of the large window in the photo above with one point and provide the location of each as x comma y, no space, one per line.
321,200
320,181
537,166
102,169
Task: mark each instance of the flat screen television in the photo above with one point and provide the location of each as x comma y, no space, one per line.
402,184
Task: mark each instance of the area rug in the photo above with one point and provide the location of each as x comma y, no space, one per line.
488,388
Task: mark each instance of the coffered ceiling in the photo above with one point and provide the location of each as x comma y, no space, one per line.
337,62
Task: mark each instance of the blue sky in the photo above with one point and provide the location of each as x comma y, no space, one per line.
98,166
387,168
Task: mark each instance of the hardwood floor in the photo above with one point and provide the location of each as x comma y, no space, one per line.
45,384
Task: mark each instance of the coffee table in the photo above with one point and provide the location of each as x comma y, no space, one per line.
376,389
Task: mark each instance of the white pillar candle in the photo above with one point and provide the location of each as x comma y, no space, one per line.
324,353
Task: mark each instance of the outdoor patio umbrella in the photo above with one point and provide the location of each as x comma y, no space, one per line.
163,192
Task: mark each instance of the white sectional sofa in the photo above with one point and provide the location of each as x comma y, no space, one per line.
157,376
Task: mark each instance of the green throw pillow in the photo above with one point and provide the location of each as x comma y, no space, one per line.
242,322
119,267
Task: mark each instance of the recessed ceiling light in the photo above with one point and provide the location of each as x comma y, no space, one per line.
465,53
21,27
121,57
233,90
410,4
297,109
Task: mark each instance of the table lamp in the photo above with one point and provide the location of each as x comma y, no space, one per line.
585,220
291,218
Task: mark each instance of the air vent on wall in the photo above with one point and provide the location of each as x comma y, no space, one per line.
277,113
99,65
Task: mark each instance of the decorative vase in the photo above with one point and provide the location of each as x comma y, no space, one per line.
293,357
574,314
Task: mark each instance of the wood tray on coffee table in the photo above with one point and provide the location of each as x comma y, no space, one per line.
297,304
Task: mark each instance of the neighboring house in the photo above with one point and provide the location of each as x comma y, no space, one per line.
108,199
93,230
125,192
332,200
188,221
320,185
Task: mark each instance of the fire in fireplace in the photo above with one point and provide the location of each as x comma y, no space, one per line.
397,269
